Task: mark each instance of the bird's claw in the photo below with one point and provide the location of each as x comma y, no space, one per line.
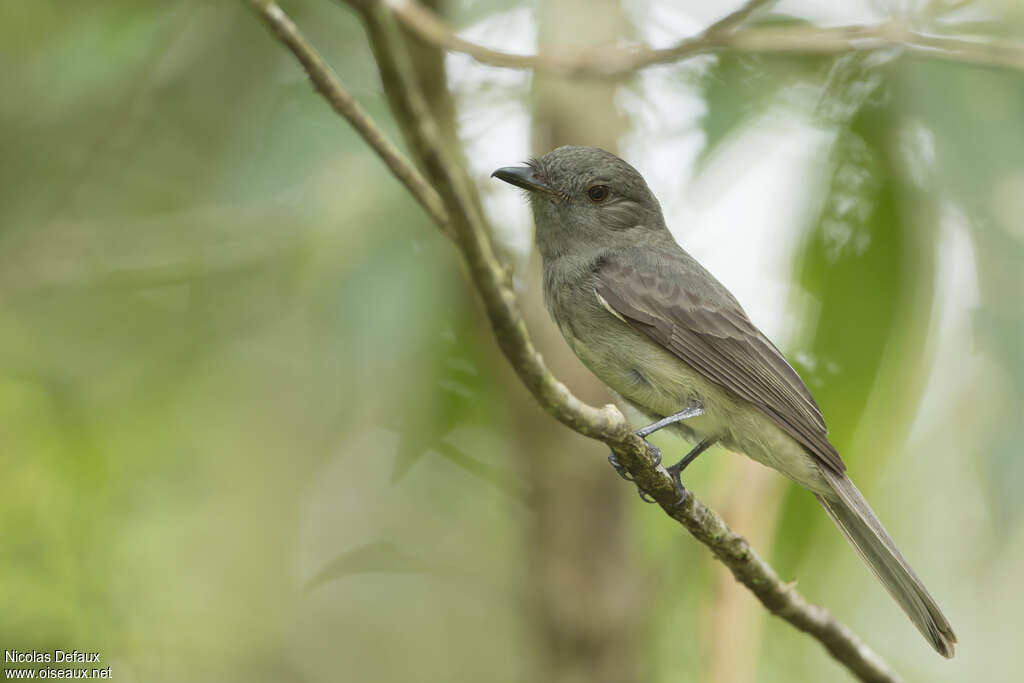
621,470
683,492
618,466
656,460
674,472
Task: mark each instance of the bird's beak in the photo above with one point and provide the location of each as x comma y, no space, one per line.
524,177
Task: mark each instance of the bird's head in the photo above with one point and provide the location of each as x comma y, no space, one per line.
585,197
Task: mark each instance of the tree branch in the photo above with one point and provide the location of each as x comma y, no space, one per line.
344,104
724,34
733,19
462,221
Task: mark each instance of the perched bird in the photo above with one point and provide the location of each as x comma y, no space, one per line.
665,335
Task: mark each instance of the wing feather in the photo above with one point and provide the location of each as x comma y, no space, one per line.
710,332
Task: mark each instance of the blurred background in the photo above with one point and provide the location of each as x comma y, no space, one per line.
254,427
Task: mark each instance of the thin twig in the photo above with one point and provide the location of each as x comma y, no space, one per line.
606,424
795,39
732,21
343,103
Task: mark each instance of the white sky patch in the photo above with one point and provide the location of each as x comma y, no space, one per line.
662,23
740,214
917,153
667,135
745,211
494,122
957,295
514,31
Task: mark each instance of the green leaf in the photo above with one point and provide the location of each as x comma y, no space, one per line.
381,557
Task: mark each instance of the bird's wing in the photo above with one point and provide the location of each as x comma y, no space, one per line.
712,334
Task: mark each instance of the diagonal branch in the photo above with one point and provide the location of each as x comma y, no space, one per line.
724,34
344,104
732,20
462,221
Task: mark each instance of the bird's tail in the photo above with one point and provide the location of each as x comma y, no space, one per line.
861,527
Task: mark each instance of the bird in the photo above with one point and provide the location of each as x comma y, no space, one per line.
673,343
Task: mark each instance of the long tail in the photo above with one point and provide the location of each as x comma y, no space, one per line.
854,517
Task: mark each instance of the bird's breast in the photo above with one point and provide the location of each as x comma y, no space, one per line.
638,369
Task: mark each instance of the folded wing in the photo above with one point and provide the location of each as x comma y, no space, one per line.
710,332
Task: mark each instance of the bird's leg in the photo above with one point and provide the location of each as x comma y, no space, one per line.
677,469
693,410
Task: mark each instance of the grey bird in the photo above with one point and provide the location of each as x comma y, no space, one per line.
668,338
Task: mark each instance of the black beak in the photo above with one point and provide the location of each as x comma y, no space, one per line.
522,176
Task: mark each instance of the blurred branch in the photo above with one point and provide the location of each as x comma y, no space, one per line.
328,85
462,219
733,19
606,63
723,34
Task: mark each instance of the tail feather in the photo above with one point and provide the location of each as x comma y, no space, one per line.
861,527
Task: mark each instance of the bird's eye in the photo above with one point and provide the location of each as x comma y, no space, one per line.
598,193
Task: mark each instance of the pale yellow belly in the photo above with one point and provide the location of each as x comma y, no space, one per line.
655,381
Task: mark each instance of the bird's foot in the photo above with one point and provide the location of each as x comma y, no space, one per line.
621,470
675,471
